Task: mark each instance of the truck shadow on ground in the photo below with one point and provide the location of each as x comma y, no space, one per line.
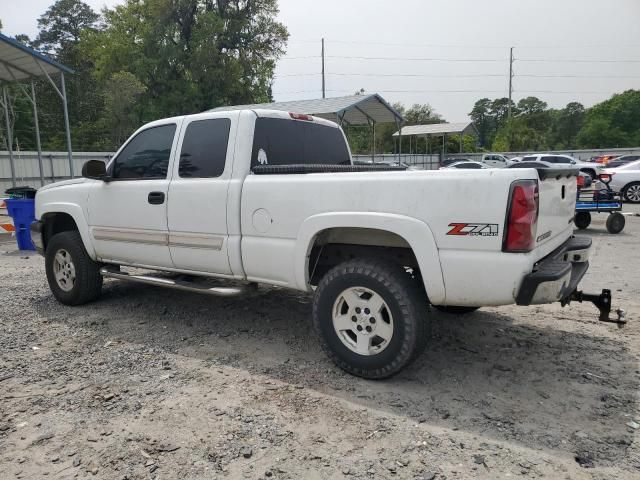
481,373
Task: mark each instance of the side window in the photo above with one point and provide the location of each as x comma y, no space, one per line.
550,159
279,141
204,148
146,156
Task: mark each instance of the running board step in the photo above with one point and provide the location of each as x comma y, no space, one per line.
175,284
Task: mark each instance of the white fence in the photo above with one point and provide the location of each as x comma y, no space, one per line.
56,165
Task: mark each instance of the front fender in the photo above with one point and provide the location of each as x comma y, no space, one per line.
415,232
76,212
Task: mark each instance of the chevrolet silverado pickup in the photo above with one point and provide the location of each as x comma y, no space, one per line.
261,196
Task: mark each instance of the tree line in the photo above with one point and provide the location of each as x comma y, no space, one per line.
150,59
141,61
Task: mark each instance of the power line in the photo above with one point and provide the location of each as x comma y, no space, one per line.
418,59
542,60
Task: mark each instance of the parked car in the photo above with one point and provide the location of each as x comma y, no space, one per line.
495,160
448,161
622,160
584,180
590,168
264,196
466,164
603,159
626,180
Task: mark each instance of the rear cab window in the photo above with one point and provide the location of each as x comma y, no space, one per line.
204,148
280,141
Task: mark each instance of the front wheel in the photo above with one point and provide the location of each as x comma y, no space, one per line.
615,222
631,193
370,317
73,277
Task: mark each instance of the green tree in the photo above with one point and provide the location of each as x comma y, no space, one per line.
121,117
612,123
566,123
191,55
484,121
62,25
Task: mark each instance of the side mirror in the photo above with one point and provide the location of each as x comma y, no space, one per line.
573,162
95,169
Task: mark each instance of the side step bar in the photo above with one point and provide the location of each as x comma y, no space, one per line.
175,284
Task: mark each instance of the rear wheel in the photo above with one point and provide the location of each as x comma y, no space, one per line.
455,310
370,317
582,220
631,193
615,222
73,277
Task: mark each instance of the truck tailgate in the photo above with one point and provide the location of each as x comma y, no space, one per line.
557,191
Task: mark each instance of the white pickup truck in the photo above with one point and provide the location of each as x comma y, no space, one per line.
258,196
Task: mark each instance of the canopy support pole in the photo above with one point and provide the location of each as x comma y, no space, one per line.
37,125
62,93
5,106
66,123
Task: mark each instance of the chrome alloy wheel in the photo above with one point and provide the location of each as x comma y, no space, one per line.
363,321
64,270
633,193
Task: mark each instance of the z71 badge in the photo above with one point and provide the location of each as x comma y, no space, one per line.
474,229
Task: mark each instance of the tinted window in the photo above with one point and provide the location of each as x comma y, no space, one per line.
529,159
146,155
555,159
279,141
204,148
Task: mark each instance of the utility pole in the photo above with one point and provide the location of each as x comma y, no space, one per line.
510,81
323,91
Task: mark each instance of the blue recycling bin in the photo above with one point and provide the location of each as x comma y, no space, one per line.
23,212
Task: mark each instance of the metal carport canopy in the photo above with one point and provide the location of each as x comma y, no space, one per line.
439,129
352,110
17,64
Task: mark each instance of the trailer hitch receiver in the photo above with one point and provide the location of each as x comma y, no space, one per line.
602,302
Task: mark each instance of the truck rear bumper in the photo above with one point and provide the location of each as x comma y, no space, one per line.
556,277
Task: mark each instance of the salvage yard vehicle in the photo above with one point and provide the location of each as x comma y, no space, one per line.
590,168
626,180
262,196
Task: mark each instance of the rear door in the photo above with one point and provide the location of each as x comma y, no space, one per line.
197,210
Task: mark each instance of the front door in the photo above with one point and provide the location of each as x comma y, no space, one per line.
128,215
197,211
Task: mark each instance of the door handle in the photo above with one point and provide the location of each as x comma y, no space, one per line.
156,198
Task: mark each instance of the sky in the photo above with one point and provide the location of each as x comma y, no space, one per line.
447,53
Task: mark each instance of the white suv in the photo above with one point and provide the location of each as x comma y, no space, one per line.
592,169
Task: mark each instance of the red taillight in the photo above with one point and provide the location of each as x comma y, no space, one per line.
580,181
522,217
301,116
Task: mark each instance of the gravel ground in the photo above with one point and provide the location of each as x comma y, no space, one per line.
151,383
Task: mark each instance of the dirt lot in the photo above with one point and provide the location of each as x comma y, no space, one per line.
151,383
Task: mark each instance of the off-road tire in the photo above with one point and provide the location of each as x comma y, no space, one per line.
455,310
88,281
405,299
